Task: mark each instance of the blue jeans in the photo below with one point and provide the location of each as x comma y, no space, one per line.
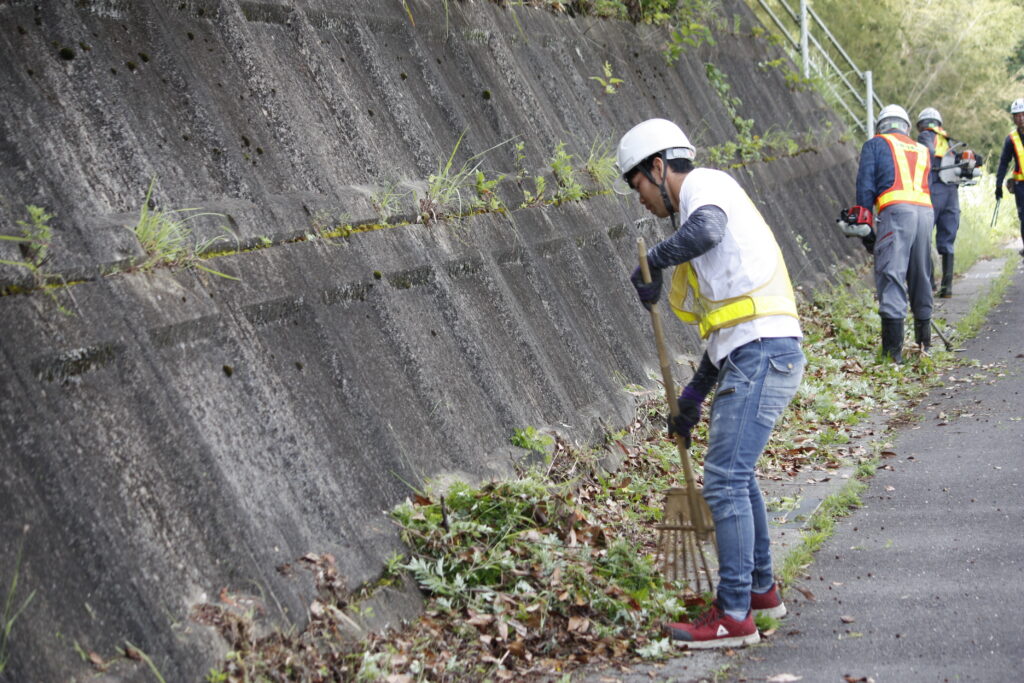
755,384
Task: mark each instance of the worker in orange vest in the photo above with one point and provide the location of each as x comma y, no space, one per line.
892,183
1013,148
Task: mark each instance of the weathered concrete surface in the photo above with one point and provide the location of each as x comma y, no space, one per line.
181,433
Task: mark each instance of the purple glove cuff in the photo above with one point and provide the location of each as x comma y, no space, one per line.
692,394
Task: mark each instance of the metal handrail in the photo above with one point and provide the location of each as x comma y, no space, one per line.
807,46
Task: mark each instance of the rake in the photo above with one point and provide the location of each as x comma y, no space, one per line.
686,522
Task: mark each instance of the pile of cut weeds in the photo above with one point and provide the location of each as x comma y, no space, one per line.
526,578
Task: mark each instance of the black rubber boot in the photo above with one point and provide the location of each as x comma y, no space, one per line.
946,289
923,333
892,339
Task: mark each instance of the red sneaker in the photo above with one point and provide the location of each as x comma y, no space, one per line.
714,628
769,602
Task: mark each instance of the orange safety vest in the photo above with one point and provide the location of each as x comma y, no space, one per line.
1018,150
910,187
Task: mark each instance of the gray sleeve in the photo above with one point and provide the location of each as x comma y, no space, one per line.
701,232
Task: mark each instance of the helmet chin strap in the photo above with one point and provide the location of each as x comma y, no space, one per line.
663,189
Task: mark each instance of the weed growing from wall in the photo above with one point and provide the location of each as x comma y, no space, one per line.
166,238
486,199
13,606
601,164
519,160
34,244
690,27
387,201
569,188
34,241
446,189
538,196
608,83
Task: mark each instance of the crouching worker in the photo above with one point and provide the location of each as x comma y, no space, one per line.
731,281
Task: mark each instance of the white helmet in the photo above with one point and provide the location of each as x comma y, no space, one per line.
929,114
650,137
1018,106
893,116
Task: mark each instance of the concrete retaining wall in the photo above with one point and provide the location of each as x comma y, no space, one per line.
181,433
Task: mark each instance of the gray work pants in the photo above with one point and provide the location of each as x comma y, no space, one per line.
902,261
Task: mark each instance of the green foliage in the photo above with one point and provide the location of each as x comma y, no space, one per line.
530,439
217,676
387,201
538,195
765,622
166,237
608,82
34,241
453,190
683,35
978,237
445,186
569,188
486,198
690,25
746,147
13,607
519,159
468,546
600,164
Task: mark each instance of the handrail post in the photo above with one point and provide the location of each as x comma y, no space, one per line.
804,30
870,105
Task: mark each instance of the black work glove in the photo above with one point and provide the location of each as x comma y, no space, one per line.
999,192
689,403
649,293
869,242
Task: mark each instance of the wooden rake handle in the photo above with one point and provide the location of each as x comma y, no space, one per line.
670,390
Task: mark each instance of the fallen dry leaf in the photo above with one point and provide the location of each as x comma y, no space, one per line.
480,620
578,624
846,619
806,593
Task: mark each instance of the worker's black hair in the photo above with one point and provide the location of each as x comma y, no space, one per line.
677,165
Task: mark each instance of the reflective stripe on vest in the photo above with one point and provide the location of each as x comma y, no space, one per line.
941,140
775,297
907,188
1018,150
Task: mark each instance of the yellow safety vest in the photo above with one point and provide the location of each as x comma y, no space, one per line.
941,140
1018,150
907,188
775,297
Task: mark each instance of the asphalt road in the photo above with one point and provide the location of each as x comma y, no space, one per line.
926,581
